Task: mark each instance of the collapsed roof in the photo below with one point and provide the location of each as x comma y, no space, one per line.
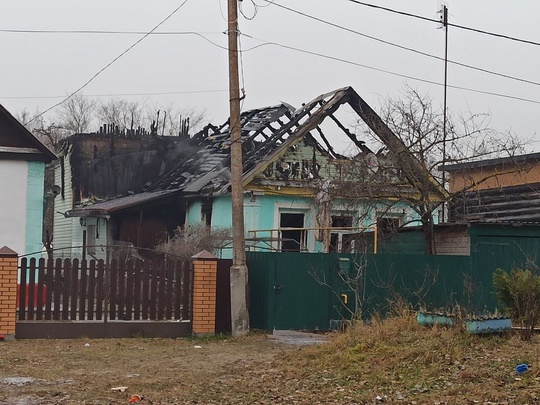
200,165
267,134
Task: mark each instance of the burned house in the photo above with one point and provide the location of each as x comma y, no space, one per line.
299,177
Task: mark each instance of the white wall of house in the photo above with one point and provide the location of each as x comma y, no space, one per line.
21,206
13,183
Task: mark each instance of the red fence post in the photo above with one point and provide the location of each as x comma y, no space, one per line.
8,292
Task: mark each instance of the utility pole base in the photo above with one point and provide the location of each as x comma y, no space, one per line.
239,311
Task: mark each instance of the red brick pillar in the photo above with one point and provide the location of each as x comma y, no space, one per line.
8,292
204,293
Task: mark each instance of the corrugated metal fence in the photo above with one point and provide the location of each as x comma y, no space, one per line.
317,291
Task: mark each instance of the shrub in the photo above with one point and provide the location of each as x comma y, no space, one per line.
519,292
192,239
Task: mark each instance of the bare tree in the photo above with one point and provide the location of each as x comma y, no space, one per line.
171,120
420,126
77,114
48,132
123,114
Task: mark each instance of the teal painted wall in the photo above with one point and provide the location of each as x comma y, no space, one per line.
34,208
222,212
193,213
261,212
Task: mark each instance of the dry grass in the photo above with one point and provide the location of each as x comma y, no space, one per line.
394,360
402,362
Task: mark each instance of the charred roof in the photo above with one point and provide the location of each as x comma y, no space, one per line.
201,164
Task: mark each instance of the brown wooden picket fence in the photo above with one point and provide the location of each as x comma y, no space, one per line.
81,290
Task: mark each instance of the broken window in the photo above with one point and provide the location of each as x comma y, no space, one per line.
206,213
343,240
293,240
387,226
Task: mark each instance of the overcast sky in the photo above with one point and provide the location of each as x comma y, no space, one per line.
189,66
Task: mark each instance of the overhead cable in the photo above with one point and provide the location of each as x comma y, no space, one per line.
406,48
110,63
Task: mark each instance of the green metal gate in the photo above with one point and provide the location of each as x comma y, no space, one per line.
301,291
317,291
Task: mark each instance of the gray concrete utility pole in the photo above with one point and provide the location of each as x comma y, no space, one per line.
239,271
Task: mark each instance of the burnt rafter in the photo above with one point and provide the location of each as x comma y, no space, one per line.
359,144
328,145
274,139
312,120
412,169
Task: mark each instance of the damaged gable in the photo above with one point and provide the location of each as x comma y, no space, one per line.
281,147
294,148
319,146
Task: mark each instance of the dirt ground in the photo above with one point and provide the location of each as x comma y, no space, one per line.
395,361
163,371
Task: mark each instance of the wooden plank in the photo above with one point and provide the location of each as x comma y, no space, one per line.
57,284
31,289
83,293
100,290
50,285
129,290
112,290
22,289
91,290
178,290
187,290
66,289
41,289
169,274
146,274
121,295
162,280
153,290
74,290
137,291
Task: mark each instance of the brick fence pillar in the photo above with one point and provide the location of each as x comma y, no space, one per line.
8,292
204,293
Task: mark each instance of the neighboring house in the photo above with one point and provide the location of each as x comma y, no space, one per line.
494,201
22,181
502,190
298,181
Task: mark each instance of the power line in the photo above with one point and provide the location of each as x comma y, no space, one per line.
110,63
404,47
170,33
337,59
120,94
152,32
394,73
103,32
511,38
273,2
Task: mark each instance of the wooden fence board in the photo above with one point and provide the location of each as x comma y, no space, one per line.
80,290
